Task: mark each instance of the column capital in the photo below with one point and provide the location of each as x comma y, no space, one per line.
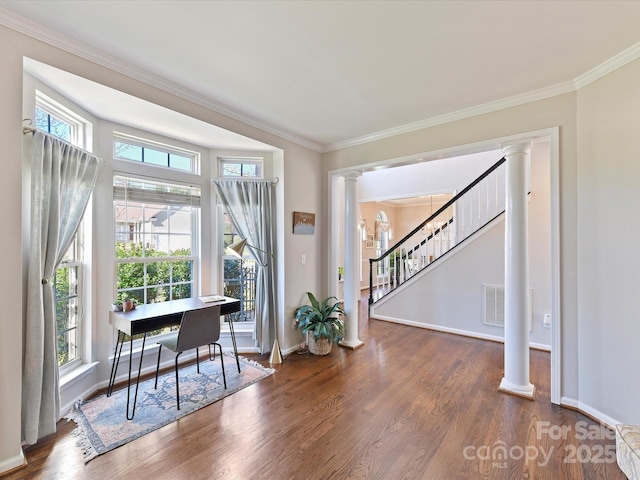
352,175
516,147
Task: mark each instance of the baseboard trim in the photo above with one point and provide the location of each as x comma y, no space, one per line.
13,464
590,412
455,331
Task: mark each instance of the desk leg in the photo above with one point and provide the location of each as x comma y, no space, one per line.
135,397
116,361
235,346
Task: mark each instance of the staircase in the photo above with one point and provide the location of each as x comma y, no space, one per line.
474,207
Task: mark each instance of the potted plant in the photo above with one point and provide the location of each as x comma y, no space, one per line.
321,323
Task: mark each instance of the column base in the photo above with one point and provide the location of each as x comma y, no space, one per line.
527,391
352,344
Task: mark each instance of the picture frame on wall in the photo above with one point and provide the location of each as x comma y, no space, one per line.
304,223
369,241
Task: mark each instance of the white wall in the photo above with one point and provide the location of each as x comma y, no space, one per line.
425,177
608,236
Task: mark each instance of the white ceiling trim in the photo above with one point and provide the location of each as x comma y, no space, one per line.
58,40
513,101
608,66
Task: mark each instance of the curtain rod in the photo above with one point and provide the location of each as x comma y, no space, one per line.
26,130
273,181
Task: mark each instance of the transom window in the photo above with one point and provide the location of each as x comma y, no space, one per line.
156,226
241,167
53,118
151,153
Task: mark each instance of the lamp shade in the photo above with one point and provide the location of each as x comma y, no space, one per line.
237,248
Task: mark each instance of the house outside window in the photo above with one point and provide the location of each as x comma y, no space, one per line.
68,281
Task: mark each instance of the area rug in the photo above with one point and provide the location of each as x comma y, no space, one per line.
102,423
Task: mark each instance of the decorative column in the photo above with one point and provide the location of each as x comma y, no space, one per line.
516,283
351,262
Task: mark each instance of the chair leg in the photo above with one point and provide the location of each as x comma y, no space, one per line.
197,360
158,367
177,387
224,376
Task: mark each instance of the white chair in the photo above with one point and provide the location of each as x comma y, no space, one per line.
197,329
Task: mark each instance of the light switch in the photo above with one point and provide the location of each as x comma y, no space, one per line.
303,259
546,320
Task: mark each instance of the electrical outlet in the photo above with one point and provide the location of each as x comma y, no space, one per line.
546,320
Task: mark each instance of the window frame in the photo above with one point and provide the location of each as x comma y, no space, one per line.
158,147
79,125
242,161
78,137
195,229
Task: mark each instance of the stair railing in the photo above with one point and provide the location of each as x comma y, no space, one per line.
467,212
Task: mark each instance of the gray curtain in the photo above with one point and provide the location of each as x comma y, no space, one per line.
62,179
251,207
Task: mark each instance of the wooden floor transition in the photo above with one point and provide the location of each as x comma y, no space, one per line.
409,404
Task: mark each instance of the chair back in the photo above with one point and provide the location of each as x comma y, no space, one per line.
199,327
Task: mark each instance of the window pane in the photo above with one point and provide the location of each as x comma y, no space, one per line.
181,291
156,157
42,120
182,271
180,162
158,273
157,294
137,295
60,129
53,125
130,275
249,170
231,169
127,151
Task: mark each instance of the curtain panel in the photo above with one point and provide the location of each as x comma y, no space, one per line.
62,179
250,205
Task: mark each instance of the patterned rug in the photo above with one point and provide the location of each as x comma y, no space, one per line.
102,423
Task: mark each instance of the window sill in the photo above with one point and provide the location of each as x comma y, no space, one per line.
77,374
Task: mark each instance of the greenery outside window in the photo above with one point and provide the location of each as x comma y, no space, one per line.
156,226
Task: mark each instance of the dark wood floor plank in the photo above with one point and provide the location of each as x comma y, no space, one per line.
410,404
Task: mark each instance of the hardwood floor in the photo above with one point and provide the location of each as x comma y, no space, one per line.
410,404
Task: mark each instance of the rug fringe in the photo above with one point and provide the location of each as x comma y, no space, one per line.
82,441
249,361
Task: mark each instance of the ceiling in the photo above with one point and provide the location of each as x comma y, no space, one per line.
333,73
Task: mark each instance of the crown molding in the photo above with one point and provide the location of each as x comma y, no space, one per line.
76,47
608,66
489,107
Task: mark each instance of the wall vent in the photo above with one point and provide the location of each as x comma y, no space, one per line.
494,306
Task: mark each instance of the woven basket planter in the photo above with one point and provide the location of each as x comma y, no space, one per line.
321,346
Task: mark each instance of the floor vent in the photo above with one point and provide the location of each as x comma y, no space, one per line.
494,306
